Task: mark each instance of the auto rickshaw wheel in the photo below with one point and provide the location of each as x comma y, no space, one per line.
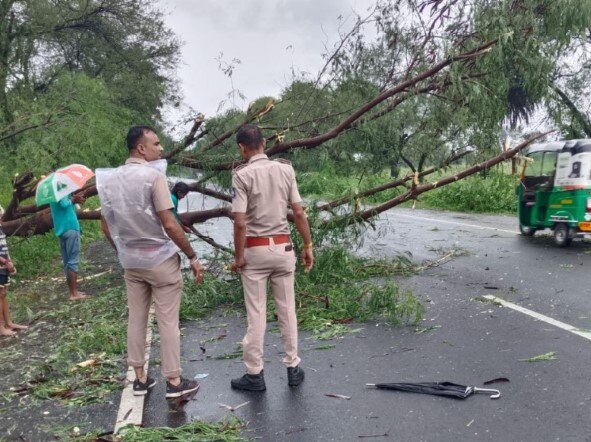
527,231
562,236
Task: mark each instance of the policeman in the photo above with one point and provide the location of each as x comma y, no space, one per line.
262,190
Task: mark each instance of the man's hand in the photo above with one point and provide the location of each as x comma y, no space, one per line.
198,271
237,265
78,198
307,258
187,229
8,265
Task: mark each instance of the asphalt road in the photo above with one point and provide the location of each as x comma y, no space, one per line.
462,339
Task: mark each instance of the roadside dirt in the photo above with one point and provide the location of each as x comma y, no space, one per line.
20,355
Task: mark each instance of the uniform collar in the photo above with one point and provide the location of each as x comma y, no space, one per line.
135,160
258,156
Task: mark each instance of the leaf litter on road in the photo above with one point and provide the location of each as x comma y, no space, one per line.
550,356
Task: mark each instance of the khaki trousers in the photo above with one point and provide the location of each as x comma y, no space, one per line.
163,284
276,263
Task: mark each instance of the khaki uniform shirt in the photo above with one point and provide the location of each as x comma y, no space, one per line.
262,189
131,197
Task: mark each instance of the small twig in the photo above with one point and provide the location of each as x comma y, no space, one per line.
374,435
438,262
210,241
231,408
337,396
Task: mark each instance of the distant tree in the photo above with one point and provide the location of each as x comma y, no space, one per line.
122,42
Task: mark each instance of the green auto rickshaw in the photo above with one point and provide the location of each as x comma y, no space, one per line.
555,190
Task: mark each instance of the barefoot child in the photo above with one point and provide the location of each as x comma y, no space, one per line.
7,268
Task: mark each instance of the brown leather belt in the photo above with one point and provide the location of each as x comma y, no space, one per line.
256,241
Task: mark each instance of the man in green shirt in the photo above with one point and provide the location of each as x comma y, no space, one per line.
67,229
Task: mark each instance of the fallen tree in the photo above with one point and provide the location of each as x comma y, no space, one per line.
443,74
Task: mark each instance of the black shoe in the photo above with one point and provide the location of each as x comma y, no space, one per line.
250,382
295,376
141,388
184,387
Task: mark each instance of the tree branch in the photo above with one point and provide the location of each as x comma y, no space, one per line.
189,139
392,184
416,191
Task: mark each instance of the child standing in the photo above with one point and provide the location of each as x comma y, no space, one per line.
7,268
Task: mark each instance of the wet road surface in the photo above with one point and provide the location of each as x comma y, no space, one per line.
462,339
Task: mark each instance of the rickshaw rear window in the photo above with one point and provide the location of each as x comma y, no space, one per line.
535,167
544,164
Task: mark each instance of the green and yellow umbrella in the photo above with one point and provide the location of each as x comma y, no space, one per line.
61,183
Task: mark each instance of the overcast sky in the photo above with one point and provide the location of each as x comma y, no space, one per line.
271,38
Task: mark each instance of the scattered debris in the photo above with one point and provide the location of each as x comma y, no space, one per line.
445,258
495,381
420,331
337,396
374,435
379,356
234,355
219,337
296,430
234,408
550,356
201,376
321,347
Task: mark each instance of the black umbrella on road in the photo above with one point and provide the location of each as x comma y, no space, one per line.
447,389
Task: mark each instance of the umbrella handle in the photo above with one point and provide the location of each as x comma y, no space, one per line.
494,394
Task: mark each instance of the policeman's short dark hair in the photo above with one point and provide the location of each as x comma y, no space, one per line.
135,134
180,187
250,136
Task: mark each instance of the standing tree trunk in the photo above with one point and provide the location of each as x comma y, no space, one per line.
6,37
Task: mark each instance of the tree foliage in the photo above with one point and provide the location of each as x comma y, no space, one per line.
436,80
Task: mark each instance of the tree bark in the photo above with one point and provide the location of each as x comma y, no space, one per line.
6,37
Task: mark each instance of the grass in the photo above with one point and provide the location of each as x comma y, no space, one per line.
200,300
73,433
334,331
341,288
327,184
225,431
490,193
93,333
493,194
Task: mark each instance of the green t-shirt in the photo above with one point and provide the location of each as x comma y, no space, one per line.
175,202
64,216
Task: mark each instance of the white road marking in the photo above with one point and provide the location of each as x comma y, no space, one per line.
131,408
475,226
540,317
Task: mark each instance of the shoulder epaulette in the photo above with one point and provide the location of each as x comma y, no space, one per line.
239,167
282,160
